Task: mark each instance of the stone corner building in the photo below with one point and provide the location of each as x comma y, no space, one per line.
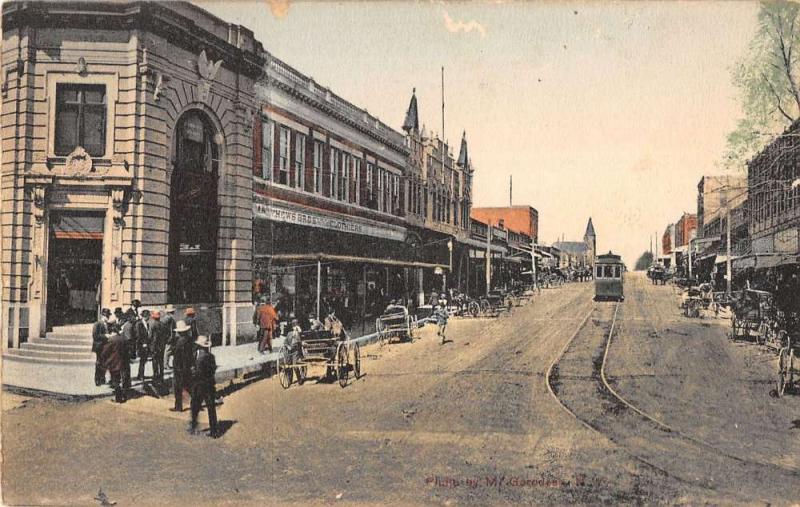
127,163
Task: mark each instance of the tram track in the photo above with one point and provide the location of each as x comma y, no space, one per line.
648,317
577,379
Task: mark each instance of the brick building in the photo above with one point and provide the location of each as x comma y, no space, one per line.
523,219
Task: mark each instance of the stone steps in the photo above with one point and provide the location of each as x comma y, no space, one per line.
48,356
65,344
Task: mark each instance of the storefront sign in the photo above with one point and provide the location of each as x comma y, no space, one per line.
330,221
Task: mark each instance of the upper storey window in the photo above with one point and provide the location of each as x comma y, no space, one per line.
80,119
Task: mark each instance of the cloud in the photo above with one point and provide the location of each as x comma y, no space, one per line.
279,8
454,26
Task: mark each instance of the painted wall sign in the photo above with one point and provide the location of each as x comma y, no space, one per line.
330,221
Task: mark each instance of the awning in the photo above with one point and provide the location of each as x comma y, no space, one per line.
71,225
765,260
482,245
722,259
349,258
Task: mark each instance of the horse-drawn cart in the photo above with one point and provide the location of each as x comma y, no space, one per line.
752,315
321,348
396,322
788,362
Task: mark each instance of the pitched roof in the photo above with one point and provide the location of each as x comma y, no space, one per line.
412,116
573,247
590,229
463,159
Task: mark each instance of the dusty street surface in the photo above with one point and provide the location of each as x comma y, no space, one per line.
675,393
471,422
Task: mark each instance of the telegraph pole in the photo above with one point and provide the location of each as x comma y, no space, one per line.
488,256
728,257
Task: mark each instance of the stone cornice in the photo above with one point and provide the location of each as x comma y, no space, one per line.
240,52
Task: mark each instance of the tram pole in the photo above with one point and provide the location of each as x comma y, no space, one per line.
728,273
319,285
488,256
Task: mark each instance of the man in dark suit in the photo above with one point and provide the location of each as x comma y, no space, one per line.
144,342
115,360
182,362
159,333
168,318
100,335
129,338
203,390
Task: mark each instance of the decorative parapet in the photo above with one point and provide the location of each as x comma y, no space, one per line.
281,75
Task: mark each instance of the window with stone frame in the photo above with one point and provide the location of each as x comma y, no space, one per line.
357,163
299,160
370,185
283,154
80,119
344,181
335,168
267,136
319,146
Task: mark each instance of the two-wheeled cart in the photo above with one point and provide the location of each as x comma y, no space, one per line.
319,348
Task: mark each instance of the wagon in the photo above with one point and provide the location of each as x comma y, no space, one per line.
753,315
495,303
396,322
788,363
319,348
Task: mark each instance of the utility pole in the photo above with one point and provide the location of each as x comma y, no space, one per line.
533,263
510,190
728,257
488,256
443,136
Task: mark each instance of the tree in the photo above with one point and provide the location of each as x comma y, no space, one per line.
644,261
768,79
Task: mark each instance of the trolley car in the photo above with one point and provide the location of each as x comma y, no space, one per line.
608,279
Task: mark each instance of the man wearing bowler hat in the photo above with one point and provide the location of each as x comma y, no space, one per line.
203,390
183,361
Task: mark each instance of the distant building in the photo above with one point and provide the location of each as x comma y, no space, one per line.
715,196
579,253
523,218
685,229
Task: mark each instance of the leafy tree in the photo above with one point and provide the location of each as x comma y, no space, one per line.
768,79
644,261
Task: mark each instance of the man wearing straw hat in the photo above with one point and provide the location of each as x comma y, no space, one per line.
183,360
203,390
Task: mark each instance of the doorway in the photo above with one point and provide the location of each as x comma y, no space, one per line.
74,272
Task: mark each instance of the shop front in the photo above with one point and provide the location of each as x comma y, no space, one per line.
310,262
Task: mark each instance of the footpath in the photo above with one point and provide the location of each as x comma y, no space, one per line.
76,381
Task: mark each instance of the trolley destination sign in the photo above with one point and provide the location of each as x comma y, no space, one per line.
328,220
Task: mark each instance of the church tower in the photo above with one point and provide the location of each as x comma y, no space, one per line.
590,238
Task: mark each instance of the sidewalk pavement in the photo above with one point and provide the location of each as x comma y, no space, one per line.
76,381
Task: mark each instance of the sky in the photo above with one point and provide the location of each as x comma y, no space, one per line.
606,110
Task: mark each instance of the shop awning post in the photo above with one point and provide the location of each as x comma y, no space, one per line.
488,256
319,286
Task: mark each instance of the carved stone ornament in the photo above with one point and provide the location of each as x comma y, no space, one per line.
79,163
118,205
81,67
39,199
208,70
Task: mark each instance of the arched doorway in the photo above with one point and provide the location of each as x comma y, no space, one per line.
194,210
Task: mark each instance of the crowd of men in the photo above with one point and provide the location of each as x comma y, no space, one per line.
119,338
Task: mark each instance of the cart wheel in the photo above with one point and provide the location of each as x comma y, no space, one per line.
784,369
474,309
342,367
356,361
485,307
302,373
284,373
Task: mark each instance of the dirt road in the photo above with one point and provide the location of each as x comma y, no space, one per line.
471,422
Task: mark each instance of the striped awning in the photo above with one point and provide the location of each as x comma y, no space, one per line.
71,225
